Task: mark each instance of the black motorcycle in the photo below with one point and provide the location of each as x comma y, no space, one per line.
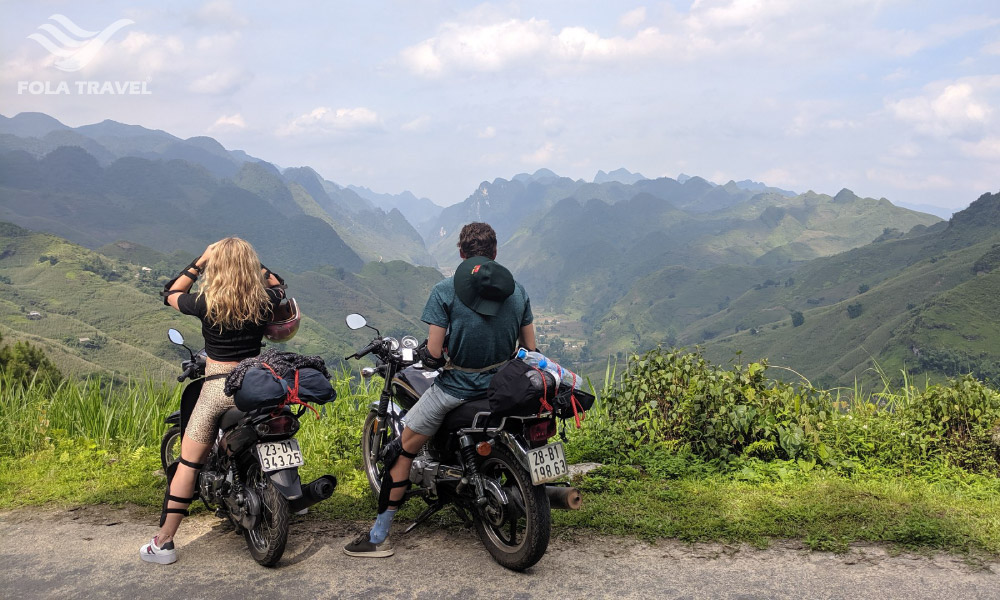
494,472
251,476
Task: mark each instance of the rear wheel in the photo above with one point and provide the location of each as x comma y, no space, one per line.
516,522
170,447
371,446
268,537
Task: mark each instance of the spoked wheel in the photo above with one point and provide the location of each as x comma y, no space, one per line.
170,447
268,537
516,521
370,449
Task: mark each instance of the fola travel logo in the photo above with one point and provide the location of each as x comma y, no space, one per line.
74,48
73,45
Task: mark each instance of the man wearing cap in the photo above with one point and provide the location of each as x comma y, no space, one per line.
485,312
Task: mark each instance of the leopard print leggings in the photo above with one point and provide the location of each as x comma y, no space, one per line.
212,404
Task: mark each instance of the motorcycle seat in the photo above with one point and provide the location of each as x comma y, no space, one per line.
463,415
230,418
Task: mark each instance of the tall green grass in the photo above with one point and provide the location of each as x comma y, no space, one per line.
121,416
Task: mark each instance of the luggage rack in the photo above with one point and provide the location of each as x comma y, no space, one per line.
503,421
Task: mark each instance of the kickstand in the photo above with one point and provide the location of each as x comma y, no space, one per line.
466,520
428,512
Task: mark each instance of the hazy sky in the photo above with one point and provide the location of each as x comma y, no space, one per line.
888,98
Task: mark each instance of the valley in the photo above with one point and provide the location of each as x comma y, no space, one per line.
839,288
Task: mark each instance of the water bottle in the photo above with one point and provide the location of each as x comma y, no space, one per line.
561,374
537,359
532,358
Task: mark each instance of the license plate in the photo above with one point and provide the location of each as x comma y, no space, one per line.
547,463
280,455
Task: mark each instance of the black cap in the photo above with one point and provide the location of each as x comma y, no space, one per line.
483,284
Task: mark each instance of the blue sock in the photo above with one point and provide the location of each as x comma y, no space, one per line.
380,530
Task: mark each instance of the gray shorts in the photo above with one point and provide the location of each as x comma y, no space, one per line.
428,413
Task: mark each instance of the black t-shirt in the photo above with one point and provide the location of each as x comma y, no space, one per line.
227,344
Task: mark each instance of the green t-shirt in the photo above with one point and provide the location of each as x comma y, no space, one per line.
475,341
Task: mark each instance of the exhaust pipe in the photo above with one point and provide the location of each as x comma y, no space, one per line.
563,497
315,491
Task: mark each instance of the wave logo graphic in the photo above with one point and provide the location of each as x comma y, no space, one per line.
73,46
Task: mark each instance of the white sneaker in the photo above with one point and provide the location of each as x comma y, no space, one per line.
161,555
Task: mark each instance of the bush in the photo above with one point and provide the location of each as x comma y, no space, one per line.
720,414
797,318
674,403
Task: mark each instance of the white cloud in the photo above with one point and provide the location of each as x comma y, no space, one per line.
541,156
952,109
233,122
327,120
482,41
487,132
992,48
416,125
633,18
987,148
221,82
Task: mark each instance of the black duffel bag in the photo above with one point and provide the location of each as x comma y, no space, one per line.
517,389
572,402
262,388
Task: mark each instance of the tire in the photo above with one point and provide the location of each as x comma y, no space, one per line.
170,447
516,534
268,537
370,450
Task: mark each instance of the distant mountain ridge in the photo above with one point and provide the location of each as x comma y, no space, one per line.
298,195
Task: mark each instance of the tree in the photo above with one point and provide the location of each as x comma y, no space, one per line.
863,288
797,318
22,362
854,310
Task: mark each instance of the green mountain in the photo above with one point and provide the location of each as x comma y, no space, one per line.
368,232
922,301
169,205
100,313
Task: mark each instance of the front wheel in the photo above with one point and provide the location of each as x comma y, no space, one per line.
371,446
515,523
268,537
170,447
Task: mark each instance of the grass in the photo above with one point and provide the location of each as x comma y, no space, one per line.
88,444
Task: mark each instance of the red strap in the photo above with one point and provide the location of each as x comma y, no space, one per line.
574,403
293,394
545,406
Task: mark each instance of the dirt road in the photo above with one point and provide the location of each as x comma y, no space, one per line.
92,552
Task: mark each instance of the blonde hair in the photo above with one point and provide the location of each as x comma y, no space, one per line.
233,287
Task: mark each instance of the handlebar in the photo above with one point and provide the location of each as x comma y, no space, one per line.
366,350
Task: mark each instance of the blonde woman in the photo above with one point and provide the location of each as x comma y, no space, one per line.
236,299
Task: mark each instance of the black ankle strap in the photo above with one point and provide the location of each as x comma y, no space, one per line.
409,455
179,499
188,463
177,511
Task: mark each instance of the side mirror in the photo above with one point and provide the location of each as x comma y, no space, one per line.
175,336
354,321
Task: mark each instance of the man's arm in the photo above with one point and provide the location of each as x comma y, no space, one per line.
435,340
527,336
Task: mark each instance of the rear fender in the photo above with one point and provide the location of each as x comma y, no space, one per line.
287,482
